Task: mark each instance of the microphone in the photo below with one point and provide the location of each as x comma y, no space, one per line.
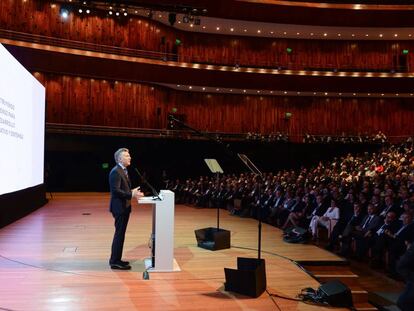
154,192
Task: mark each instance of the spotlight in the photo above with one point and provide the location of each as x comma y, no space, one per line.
117,13
110,13
172,18
88,11
64,12
80,11
125,13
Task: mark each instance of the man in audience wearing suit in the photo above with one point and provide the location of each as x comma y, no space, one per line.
397,246
120,205
405,267
382,238
369,226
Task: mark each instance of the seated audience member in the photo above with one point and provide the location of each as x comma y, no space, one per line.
297,218
345,230
390,225
405,268
327,220
365,237
397,246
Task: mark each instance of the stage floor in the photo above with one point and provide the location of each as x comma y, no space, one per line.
57,259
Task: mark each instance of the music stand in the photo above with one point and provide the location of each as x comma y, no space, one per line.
213,238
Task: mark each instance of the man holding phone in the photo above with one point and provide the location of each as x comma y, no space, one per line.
120,205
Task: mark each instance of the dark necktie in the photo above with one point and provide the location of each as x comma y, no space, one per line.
367,222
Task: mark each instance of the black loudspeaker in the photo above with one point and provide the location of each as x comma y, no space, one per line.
213,238
336,294
249,279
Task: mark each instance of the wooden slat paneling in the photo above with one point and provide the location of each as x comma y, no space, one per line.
75,100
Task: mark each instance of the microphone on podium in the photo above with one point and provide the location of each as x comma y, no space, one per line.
154,192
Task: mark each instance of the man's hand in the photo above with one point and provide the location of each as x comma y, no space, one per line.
136,193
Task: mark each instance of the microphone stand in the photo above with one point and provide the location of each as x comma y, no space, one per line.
244,159
154,192
250,276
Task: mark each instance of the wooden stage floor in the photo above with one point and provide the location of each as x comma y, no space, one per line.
57,259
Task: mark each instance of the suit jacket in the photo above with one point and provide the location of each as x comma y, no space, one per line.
121,193
405,233
373,225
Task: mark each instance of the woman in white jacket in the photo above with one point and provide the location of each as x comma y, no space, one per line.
328,220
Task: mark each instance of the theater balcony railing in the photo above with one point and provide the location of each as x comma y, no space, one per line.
156,55
93,130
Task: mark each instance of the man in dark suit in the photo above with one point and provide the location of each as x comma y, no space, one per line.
405,268
120,205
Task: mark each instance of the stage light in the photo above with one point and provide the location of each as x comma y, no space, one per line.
80,11
64,12
110,13
125,13
88,11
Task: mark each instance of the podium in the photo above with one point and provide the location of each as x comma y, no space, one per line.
162,236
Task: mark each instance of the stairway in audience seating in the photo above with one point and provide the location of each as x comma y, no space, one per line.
325,271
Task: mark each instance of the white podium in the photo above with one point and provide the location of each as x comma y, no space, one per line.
162,252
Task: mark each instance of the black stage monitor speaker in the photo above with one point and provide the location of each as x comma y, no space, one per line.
213,238
336,294
249,279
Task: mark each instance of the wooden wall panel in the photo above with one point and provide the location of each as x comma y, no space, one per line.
140,33
74,100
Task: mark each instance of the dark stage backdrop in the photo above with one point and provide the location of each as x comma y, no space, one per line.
78,163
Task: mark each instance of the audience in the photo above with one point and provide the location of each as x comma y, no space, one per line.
365,203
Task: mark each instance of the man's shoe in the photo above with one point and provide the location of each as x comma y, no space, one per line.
124,263
118,266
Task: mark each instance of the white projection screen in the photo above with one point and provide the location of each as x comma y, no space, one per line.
22,126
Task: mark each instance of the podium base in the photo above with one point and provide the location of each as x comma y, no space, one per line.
212,238
249,279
